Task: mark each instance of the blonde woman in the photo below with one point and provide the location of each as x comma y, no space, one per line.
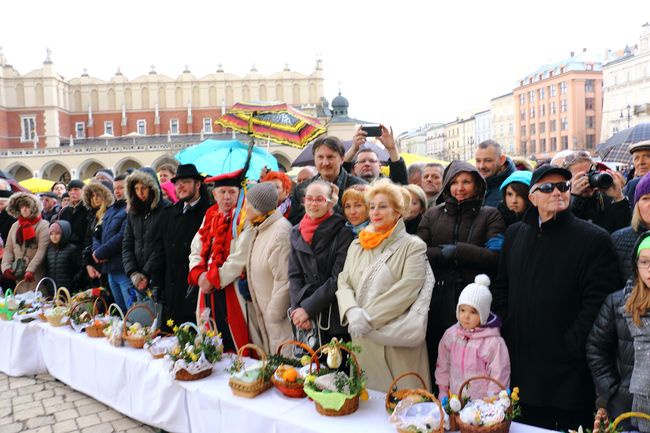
383,295
96,198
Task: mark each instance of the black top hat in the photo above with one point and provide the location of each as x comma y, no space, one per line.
185,171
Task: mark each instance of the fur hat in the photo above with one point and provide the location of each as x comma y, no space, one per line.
20,199
477,295
97,188
263,197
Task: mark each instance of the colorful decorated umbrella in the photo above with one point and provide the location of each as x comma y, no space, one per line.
215,157
36,185
278,122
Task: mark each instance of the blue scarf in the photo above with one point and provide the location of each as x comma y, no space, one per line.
356,229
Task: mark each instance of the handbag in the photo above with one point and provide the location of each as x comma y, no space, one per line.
18,268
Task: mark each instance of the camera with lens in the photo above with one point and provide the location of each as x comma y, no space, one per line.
599,178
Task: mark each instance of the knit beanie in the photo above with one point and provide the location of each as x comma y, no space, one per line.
263,197
477,295
642,188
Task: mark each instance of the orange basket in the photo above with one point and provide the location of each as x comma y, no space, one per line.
292,389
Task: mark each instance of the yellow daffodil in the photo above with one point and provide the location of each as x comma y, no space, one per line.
210,333
176,350
170,323
310,378
175,329
364,394
194,357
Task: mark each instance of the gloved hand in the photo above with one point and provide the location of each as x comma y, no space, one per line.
448,251
242,285
137,278
29,276
358,322
9,275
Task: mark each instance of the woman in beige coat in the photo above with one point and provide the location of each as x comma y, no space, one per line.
267,266
28,239
384,292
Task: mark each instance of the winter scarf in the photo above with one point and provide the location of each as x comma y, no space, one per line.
308,226
26,229
370,240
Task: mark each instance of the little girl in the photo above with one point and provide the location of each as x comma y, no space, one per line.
637,315
514,196
473,346
63,257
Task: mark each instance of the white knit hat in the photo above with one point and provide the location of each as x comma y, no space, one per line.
477,295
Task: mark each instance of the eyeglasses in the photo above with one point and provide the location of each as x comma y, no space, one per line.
315,199
643,264
548,187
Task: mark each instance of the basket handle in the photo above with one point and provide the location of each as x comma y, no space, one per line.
393,384
114,306
340,346
41,281
467,382
95,309
192,325
77,305
256,348
302,345
58,297
8,293
627,415
18,284
144,307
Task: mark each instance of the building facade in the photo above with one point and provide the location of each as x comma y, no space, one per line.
467,137
436,141
559,106
626,86
502,112
414,141
41,113
483,121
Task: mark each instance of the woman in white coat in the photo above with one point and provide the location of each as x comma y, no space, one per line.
384,292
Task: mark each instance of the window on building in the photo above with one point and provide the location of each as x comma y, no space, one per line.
551,90
207,125
522,114
532,112
27,128
522,99
523,147
532,129
563,88
590,67
141,126
173,127
108,127
553,144
564,106
531,96
552,108
523,130
591,141
80,130
542,127
565,142
589,85
533,143
541,93
552,126
542,145
565,123
591,120
589,103
542,110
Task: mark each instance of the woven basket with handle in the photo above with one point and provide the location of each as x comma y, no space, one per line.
132,340
255,388
292,389
502,427
61,299
96,330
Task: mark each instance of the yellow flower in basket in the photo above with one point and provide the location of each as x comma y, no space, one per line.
176,350
170,323
194,357
210,333
515,394
175,329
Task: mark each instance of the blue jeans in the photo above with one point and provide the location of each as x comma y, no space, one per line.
123,291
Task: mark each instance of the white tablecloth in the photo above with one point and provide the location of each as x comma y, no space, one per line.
133,383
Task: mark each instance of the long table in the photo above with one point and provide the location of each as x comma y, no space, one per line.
133,383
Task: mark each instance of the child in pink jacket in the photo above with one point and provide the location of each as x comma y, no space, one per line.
473,346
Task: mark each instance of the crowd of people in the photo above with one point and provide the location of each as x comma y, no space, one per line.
537,278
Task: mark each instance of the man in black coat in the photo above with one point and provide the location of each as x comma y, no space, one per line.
554,273
181,222
76,213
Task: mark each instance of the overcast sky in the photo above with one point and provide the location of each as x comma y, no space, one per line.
402,63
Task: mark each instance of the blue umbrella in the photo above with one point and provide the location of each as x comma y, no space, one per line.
215,157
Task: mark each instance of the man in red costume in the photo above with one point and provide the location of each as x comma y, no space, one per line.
209,250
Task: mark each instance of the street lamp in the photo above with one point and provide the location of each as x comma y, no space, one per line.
629,115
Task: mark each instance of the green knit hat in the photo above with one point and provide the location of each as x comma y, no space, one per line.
644,245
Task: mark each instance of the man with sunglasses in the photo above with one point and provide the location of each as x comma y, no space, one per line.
605,207
554,272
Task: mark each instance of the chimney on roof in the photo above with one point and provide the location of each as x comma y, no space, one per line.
584,50
572,54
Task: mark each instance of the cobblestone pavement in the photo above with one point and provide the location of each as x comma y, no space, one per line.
43,404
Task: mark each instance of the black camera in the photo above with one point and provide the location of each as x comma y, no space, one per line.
599,179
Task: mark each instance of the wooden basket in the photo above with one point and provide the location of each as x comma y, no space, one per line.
93,330
502,427
394,397
292,389
351,404
59,301
133,341
424,393
87,305
252,389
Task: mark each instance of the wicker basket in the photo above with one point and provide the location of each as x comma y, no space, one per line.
133,341
117,340
351,404
185,375
292,389
60,301
250,389
86,306
424,393
395,396
502,427
95,330
627,415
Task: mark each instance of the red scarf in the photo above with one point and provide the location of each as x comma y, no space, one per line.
26,229
308,226
216,236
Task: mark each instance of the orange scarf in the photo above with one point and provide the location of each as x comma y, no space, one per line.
370,240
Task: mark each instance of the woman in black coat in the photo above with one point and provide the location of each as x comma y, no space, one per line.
319,246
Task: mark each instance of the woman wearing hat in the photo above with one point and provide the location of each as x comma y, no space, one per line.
514,196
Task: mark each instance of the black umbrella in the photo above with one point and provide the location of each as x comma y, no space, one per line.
306,157
616,148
